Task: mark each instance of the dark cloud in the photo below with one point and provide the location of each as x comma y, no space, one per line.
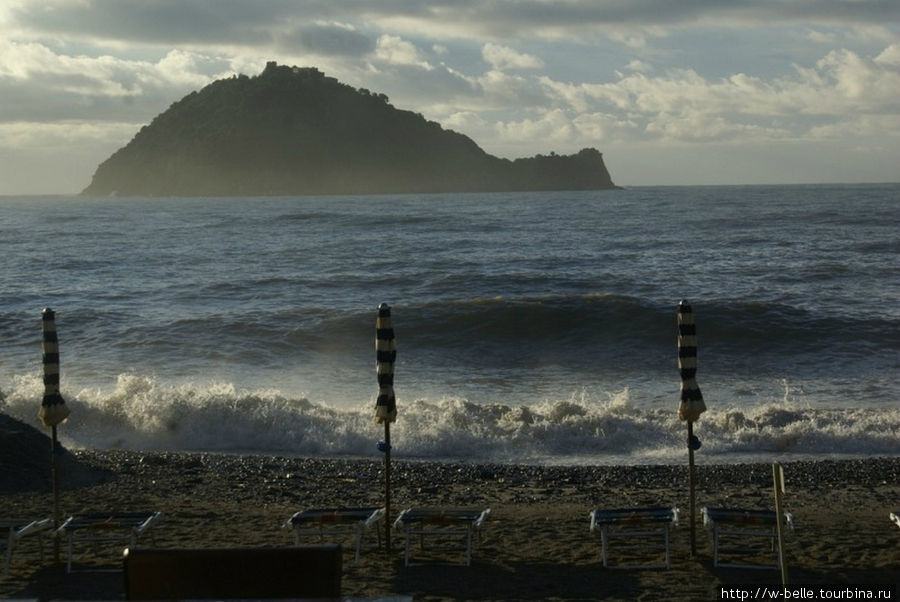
663,12
243,22
330,40
154,21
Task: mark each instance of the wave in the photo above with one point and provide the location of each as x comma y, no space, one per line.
143,413
599,333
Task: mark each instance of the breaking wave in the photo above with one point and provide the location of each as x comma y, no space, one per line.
144,414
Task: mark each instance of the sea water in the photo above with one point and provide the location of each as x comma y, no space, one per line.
531,327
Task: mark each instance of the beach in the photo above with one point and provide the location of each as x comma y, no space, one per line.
535,545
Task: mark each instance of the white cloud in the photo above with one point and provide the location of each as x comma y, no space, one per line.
890,57
501,57
41,85
821,37
553,125
685,106
640,66
501,91
397,51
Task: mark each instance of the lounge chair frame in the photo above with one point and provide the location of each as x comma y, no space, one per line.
317,522
634,522
439,522
744,523
20,528
126,527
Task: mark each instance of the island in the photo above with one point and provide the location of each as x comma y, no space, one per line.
295,131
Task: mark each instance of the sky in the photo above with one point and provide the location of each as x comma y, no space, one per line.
672,92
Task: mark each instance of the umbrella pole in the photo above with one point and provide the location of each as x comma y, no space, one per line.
54,481
690,438
778,481
387,486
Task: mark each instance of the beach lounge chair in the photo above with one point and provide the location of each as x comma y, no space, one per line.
125,527
743,523
895,516
335,521
19,528
634,522
443,523
288,573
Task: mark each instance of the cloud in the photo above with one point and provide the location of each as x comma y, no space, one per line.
890,57
501,57
329,39
237,23
682,105
500,90
397,51
639,66
41,85
630,20
231,22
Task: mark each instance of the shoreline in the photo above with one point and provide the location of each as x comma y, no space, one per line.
536,544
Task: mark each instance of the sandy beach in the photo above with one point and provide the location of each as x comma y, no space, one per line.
536,544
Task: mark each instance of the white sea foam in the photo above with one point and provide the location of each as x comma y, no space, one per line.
143,413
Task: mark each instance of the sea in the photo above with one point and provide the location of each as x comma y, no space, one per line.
531,328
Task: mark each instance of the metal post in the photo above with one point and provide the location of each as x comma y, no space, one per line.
54,483
690,438
778,482
387,486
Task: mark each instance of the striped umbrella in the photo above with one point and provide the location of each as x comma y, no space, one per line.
386,404
386,355
691,405
53,407
691,398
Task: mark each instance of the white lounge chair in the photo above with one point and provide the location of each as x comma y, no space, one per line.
634,522
744,523
335,521
19,528
125,527
440,522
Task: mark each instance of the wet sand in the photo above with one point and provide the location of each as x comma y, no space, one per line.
536,544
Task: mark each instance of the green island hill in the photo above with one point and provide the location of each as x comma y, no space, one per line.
294,131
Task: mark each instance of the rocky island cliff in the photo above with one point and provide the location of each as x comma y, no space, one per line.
294,131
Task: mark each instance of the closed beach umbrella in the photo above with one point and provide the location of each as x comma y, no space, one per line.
386,355
691,405
386,404
53,407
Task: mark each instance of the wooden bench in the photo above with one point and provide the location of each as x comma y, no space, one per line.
312,571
